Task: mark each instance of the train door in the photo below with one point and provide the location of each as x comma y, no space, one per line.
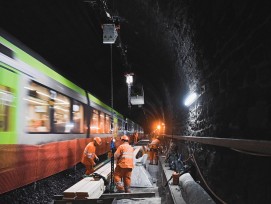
9,82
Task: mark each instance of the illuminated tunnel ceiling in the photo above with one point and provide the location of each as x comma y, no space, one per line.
166,44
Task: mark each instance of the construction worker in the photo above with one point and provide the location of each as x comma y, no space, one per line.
124,157
89,155
153,148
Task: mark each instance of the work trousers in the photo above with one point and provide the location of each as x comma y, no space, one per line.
125,175
89,169
153,154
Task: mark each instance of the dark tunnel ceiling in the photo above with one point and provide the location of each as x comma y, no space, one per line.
68,35
170,46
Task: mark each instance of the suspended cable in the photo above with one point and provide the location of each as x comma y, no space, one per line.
111,70
251,153
112,146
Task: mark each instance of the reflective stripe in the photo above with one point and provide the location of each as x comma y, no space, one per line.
89,155
127,156
128,152
120,184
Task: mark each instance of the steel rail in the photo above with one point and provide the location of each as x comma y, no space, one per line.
101,164
249,146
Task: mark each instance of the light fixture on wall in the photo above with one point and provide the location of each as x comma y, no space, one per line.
194,95
191,98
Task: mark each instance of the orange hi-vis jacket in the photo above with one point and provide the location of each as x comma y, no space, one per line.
154,144
125,156
89,154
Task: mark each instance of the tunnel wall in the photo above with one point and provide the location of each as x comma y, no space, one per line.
220,49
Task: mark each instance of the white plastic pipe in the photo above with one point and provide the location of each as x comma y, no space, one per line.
192,192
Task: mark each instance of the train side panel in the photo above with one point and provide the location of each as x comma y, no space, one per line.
46,120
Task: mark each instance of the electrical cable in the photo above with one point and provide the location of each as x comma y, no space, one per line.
195,162
251,153
111,70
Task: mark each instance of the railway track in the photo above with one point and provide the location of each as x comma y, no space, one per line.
96,189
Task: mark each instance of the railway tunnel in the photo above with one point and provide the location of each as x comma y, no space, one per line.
220,50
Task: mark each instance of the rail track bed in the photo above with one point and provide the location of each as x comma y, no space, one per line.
97,188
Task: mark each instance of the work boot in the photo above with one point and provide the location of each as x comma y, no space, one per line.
127,190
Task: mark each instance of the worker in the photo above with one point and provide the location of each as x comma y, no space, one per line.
124,157
153,150
89,155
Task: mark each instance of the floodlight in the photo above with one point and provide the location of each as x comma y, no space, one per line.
129,79
191,99
110,33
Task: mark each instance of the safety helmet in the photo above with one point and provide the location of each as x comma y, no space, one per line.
124,137
98,140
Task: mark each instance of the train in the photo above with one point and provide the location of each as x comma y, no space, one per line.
46,120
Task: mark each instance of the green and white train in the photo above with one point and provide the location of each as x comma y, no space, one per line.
38,106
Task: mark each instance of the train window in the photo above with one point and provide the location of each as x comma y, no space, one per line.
126,126
38,108
78,117
102,122
94,122
129,127
120,127
114,125
47,108
111,127
6,51
132,128
61,105
107,124
6,99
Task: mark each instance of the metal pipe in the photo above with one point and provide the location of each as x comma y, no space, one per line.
252,146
